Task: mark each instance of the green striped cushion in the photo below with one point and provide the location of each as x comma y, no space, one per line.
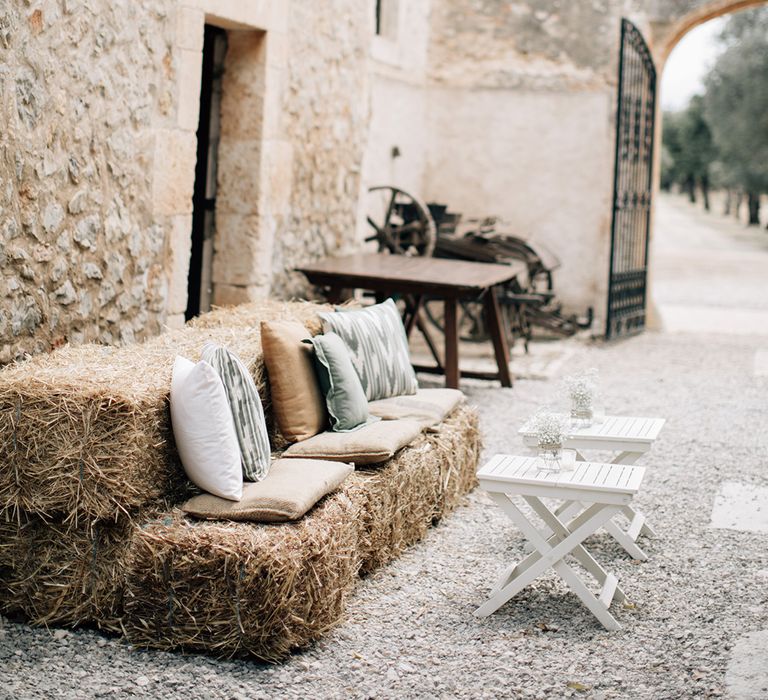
247,412
378,347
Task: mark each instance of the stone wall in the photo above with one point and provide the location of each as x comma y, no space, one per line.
495,108
325,114
98,113
82,85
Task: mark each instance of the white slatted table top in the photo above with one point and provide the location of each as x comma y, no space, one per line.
510,473
627,430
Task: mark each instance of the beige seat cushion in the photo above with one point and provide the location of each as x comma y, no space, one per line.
428,406
298,404
370,444
289,490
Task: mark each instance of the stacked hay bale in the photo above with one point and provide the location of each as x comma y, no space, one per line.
87,457
400,500
89,481
233,588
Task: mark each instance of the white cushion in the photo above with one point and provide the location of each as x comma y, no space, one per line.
204,430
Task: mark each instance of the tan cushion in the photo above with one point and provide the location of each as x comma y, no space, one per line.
428,406
290,489
298,404
370,444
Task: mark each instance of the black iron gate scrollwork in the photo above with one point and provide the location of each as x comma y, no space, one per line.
632,185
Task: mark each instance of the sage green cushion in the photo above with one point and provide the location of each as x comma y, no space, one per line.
378,346
339,383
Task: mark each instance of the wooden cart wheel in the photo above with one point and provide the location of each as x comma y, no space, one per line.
402,225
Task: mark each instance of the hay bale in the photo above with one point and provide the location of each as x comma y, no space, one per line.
241,588
87,431
58,575
459,441
251,314
400,500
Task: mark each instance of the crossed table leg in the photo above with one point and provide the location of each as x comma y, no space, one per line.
551,551
637,522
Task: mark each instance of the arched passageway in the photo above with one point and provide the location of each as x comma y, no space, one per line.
706,270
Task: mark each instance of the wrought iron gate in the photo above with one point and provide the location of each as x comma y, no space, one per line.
632,185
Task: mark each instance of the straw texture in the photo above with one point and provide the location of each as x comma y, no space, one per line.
401,499
59,575
241,588
251,314
88,428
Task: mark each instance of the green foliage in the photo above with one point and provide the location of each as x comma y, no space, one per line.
736,101
687,142
722,136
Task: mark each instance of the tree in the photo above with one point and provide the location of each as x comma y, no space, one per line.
736,104
689,149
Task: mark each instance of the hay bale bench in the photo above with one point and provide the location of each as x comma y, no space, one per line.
90,484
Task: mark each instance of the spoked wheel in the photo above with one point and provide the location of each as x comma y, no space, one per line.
401,224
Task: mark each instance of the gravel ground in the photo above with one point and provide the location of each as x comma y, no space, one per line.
410,631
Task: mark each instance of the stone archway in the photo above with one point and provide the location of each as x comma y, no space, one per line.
666,26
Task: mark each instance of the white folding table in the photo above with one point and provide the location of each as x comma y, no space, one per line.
599,490
629,438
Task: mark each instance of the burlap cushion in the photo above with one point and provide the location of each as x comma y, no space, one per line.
298,404
428,406
289,490
371,444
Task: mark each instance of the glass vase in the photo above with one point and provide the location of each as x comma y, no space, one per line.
581,414
550,457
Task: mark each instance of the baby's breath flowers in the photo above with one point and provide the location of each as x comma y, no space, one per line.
582,388
551,429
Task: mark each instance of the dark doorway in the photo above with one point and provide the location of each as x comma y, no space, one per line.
632,185
200,282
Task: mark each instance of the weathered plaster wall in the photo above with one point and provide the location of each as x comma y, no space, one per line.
540,45
399,100
83,85
540,161
521,118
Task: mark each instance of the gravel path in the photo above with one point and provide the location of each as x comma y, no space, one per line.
410,631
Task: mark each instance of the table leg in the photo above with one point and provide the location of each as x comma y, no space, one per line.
556,524
550,553
498,336
451,344
626,457
412,310
335,295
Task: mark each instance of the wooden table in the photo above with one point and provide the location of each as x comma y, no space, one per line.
629,437
601,490
417,278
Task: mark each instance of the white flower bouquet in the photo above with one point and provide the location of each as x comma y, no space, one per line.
582,389
551,429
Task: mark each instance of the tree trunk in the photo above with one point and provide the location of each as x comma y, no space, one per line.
753,202
690,188
736,204
704,182
727,203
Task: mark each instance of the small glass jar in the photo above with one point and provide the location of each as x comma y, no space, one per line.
581,416
550,456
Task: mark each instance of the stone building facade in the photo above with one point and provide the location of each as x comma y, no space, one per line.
495,107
